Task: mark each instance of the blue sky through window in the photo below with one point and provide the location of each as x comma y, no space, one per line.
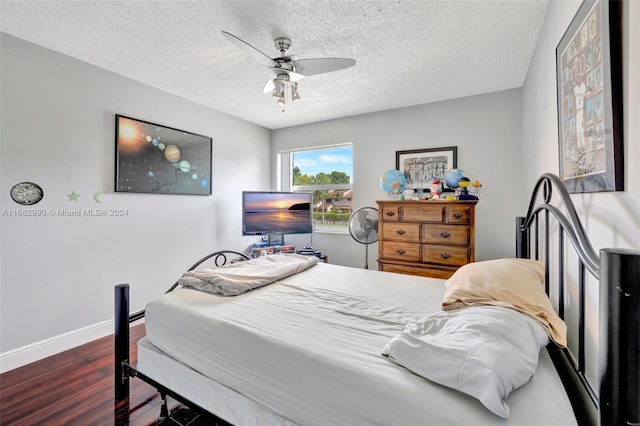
325,160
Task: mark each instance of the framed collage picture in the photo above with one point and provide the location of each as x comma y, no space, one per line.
589,79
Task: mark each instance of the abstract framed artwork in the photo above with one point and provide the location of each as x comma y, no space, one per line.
589,93
423,166
151,158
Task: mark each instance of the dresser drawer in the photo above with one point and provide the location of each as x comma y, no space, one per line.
423,212
458,214
390,213
408,252
443,272
445,255
401,232
445,234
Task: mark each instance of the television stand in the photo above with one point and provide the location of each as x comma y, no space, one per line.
257,250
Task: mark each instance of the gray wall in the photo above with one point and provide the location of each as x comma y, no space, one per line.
58,131
485,128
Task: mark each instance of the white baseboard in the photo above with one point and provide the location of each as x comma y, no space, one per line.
39,350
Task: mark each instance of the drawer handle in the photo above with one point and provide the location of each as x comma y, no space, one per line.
445,255
390,213
457,215
400,251
400,231
445,234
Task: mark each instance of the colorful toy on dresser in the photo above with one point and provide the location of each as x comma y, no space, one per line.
456,180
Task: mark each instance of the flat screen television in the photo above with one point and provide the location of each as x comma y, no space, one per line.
269,213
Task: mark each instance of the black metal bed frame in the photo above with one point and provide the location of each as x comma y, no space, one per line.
616,402
123,368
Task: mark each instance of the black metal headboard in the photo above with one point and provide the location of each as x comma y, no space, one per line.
617,401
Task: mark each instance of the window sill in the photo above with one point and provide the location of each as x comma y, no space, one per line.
340,230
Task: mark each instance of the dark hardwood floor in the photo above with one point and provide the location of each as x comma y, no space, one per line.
76,387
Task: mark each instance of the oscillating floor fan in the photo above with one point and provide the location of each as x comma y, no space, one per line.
363,227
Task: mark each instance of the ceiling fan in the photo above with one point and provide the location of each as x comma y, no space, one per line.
285,70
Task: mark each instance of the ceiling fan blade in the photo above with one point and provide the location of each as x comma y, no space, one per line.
250,50
293,76
269,87
322,65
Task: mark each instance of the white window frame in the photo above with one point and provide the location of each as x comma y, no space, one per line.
285,173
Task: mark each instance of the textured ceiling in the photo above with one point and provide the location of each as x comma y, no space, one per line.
407,52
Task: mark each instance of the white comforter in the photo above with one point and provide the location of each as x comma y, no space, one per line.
309,348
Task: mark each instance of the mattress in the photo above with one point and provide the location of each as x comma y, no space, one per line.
307,350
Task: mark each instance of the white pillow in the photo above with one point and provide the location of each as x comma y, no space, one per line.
483,351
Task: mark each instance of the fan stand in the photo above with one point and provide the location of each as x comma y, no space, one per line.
368,227
366,256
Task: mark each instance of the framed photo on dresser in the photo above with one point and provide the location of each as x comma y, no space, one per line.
589,93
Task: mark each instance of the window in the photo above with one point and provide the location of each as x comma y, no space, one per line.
327,172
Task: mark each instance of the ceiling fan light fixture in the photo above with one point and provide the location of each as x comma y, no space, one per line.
286,91
295,97
278,92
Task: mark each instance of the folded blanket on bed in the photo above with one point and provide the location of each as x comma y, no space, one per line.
237,278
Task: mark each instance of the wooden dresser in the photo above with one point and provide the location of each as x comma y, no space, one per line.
428,238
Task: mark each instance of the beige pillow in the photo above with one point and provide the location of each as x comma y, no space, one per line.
511,283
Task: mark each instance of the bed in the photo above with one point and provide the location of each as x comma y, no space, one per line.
327,344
